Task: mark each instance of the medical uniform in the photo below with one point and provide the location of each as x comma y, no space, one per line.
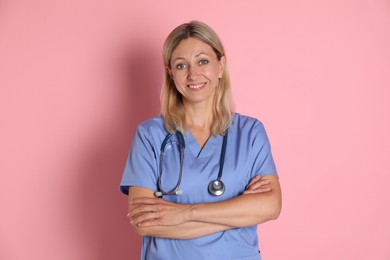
248,153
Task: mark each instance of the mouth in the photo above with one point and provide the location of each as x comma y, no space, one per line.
196,86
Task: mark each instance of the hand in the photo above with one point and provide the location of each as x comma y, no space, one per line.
145,212
257,185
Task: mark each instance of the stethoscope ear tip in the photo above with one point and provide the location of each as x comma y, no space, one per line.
159,194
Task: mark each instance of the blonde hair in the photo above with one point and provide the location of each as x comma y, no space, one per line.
172,109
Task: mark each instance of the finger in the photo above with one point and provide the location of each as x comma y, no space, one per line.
145,200
143,208
253,180
255,191
259,184
149,223
144,218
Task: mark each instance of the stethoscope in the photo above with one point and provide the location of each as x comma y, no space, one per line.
216,187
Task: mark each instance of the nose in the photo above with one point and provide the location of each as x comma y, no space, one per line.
193,72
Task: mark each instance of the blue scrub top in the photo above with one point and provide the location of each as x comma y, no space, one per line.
248,153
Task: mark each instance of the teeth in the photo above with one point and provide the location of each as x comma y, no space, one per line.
196,86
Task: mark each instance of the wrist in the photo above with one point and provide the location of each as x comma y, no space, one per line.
190,212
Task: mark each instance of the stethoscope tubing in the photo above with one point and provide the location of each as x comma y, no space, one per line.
175,190
215,187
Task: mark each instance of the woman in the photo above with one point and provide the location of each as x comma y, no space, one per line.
199,177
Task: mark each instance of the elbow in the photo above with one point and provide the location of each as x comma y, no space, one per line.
141,231
275,209
153,231
275,213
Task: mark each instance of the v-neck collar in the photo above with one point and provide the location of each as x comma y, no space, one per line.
207,150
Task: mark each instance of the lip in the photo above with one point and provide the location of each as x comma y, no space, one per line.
196,86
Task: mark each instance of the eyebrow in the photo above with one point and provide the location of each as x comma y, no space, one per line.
196,56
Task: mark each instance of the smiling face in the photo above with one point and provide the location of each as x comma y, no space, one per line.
196,70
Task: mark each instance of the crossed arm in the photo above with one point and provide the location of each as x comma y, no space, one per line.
260,202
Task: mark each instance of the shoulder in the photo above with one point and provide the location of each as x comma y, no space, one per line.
248,128
152,129
250,131
246,123
152,124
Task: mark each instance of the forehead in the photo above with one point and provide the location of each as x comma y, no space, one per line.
191,47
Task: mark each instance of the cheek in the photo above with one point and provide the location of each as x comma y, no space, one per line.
178,79
212,73
179,85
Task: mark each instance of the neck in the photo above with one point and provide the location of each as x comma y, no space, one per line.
198,117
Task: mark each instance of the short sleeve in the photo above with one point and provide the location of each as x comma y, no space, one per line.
263,161
141,166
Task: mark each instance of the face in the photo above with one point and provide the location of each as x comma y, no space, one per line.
196,71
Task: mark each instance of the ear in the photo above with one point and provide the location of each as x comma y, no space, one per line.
222,63
169,71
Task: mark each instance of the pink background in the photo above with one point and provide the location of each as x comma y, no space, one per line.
76,77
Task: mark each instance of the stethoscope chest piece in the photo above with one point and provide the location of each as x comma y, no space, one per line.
216,187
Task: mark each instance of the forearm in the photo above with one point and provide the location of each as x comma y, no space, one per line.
184,230
244,210
160,218
175,220
188,230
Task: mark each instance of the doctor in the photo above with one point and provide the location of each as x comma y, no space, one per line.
204,141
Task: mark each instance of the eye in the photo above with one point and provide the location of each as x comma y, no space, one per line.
181,66
203,62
